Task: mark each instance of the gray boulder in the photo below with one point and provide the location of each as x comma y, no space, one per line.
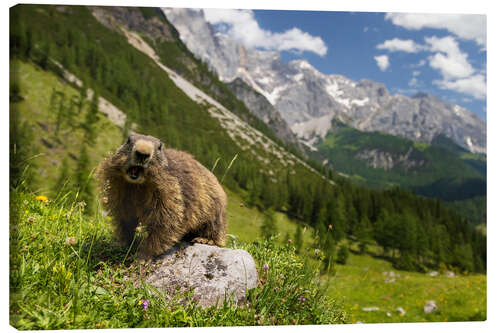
430,307
212,273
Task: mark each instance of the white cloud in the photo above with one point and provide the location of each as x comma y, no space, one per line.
448,59
243,28
474,86
415,73
397,44
382,62
466,26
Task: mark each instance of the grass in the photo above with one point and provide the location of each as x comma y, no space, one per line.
361,283
244,222
66,273
37,86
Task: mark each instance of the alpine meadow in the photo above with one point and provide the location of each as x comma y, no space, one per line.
349,215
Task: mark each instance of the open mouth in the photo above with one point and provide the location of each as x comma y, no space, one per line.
134,172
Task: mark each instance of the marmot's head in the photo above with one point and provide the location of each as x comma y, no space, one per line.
142,155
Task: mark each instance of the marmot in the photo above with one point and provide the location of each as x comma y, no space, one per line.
165,190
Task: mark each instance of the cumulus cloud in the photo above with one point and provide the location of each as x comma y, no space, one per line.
474,86
448,59
466,26
382,62
242,27
397,44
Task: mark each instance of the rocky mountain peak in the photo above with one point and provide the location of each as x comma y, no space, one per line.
308,100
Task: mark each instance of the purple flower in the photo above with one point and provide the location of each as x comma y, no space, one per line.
266,267
144,303
302,299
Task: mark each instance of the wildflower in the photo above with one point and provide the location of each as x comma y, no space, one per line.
283,300
330,226
31,219
42,198
302,299
144,303
266,267
25,202
289,241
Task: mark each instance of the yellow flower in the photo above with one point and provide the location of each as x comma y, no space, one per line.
42,198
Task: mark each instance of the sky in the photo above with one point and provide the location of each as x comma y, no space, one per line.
440,54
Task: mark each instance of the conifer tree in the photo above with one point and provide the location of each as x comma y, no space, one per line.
268,227
298,239
343,254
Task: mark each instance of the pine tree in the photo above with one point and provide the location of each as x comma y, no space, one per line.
298,239
329,249
343,254
268,227
363,233
91,119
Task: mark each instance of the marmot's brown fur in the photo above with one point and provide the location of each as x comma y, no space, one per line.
167,191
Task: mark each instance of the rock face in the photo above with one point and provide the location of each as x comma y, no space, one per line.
387,161
211,272
261,107
308,100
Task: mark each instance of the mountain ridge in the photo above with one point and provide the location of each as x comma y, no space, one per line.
305,97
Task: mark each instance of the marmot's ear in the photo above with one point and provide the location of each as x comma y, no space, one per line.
129,139
160,145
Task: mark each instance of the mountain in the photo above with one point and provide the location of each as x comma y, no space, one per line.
308,100
382,160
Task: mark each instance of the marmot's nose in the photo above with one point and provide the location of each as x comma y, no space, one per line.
141,157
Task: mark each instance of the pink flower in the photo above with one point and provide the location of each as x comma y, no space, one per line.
144,303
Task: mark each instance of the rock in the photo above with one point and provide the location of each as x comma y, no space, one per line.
390,280
450,274
388,314
430,307
211,272
433,274
401,311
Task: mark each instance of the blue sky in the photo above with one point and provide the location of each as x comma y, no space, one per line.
443,55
